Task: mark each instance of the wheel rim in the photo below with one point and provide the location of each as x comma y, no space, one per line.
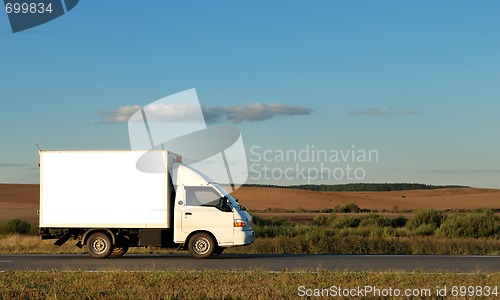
99,245
201,245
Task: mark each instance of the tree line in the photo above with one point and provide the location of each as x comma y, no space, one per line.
363,187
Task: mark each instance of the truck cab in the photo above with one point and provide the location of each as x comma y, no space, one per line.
204,209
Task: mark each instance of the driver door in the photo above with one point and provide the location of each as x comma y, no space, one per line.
202,211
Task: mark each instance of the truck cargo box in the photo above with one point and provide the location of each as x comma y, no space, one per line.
92,189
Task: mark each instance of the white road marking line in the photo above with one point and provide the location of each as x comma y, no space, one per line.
6,261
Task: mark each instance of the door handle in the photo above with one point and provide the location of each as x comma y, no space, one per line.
188,214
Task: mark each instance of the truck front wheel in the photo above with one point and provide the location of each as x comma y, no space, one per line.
121,247
119,251
218,251
99,245
201,245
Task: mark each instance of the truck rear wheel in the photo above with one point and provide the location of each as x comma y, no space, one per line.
201,245
99,245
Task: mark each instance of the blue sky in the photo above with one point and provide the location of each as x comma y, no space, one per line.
418,82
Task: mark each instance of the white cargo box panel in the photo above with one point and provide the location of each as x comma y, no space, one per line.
105,189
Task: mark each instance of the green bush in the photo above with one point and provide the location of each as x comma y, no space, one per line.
335,221
273,221
346,222
350,208
275,231
425,230
321,220
366,231
473,225
343,222
399,222
326,244
397,232
424,223
375,220
34,230
15,226
432,218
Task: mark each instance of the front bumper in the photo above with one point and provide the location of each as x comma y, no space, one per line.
244,237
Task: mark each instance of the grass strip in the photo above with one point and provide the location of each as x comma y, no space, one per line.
304,244
218,284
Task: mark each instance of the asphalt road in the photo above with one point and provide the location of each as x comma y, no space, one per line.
427,263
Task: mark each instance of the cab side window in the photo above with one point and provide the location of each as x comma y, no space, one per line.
201,196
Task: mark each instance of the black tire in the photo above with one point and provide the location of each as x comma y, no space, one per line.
119,251
218,251
121,247
201,245
99,245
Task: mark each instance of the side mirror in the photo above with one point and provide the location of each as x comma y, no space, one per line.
224,205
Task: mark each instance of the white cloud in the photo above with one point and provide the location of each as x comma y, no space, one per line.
122,114
185,113
376,112
173,112
251,113
12,165
457,171
408,112
372,112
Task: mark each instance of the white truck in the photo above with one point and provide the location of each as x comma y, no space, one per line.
107,203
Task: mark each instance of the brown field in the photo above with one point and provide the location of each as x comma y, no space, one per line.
19,201
22,201
258,198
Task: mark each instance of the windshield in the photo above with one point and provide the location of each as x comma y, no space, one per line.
223,192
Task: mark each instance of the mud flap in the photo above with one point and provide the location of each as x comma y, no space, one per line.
63,239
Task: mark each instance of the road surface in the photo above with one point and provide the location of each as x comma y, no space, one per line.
134,262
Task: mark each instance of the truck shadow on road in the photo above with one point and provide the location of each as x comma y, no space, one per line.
220,257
